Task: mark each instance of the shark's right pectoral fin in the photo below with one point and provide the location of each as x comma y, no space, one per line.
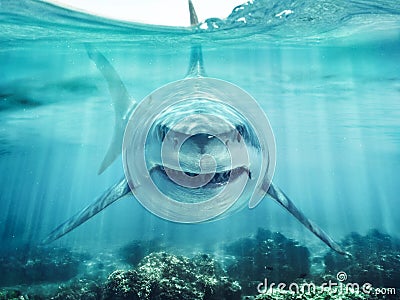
280,197
121,102
111,195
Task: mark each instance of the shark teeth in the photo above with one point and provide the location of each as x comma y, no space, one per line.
215,179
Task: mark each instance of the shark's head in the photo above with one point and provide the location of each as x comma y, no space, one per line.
198,149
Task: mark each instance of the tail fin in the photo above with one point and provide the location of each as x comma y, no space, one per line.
196,66
283,200
121,102
111,195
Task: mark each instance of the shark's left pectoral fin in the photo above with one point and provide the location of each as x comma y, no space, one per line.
121,102
280,197
111,195
114,149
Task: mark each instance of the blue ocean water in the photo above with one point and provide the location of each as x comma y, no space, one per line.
326,73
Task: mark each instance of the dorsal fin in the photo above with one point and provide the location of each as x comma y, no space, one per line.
194,21
196,66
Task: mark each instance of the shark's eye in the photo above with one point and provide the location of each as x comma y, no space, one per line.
162,130
240,129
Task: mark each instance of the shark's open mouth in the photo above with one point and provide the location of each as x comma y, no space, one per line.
210,180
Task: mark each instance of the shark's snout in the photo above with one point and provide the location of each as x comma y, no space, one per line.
201,141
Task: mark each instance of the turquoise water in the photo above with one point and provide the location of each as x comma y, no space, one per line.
327,75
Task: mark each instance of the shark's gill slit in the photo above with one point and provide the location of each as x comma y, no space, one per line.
205,149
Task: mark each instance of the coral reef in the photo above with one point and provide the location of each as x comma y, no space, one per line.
12,294
77,290
267,255
36,265
375,260
135,251
121,285
165,276
55,274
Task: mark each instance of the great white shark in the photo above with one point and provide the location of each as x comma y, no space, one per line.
124,105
